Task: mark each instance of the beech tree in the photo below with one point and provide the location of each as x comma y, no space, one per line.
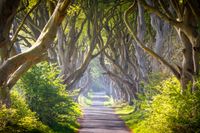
184,17
11,66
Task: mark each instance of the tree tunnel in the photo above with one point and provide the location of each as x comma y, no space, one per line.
137,52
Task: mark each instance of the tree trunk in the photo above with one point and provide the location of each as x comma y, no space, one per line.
8,10
162,30
140,34
187,64
5,96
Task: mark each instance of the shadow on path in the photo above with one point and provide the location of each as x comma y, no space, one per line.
100,119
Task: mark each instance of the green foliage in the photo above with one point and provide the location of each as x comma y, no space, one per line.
74,8
161,108
85,101
19,118
164,109
109,101
96,69
47,97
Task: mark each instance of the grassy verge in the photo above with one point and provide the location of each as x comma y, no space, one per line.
126,113
85,100
108,102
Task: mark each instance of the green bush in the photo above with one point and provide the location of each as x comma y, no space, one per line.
19,118
170,111
163,109
47,97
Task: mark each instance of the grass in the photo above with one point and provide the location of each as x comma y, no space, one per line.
126,113
124,110
109,102
84,101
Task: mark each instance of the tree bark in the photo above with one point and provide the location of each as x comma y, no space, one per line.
8,9
141,27
162,30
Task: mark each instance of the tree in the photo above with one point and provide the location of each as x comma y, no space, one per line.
11,65
179,15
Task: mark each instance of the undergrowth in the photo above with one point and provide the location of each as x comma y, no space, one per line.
40,103
163,109
19,118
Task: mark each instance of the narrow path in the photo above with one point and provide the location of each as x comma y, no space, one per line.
100,119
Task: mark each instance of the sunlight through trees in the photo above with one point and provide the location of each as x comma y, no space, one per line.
143,55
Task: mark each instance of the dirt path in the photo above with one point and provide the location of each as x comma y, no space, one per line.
100,119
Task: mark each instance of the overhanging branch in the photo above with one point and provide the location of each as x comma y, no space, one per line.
159,14
146,49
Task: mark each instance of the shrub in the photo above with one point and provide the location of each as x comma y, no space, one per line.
48,98
170,111
163,109
19,118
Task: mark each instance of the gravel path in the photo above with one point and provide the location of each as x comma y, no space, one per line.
100,119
